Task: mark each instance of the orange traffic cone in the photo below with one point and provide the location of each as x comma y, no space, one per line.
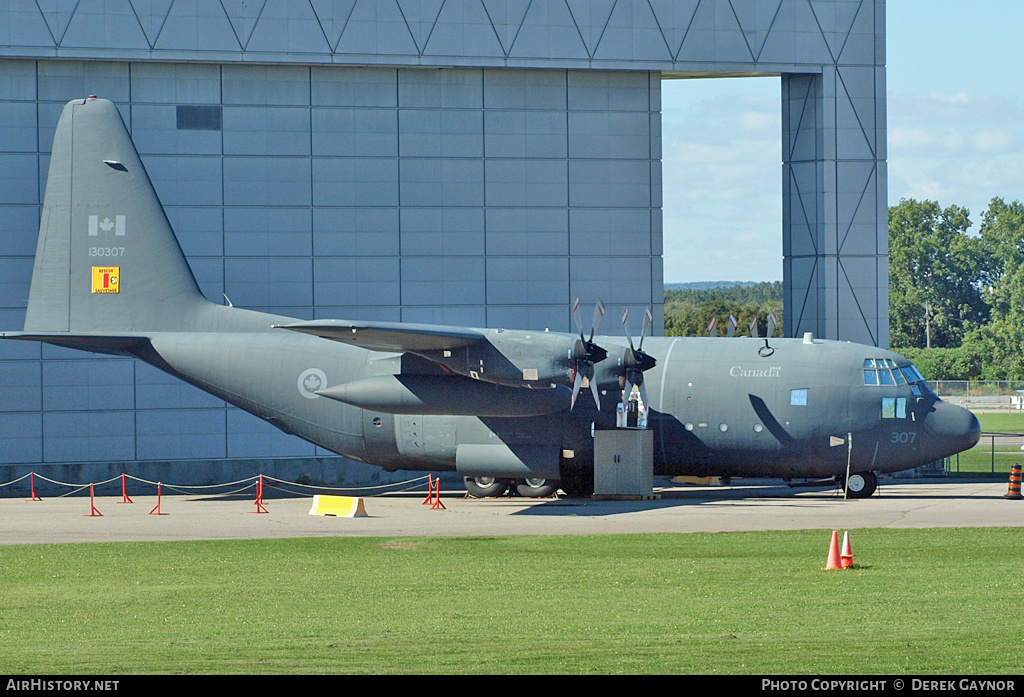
833,553
846,556
1014,491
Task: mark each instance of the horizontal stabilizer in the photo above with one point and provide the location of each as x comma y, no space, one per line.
398,337
95,342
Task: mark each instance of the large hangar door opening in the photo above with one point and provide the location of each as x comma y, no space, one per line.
722,179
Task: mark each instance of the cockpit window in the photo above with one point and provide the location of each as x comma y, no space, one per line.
884,371
894,407
915,372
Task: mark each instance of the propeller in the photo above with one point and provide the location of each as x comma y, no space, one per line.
586,353
635,360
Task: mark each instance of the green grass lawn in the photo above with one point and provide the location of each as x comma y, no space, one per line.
917,601
1001,423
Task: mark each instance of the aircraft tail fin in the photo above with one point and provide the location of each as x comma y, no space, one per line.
107,260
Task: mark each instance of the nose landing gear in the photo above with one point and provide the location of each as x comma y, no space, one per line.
860,486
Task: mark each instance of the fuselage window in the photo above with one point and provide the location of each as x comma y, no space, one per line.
798,397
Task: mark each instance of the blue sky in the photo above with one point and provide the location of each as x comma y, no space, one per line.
955,128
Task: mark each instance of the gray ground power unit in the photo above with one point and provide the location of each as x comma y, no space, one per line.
624,464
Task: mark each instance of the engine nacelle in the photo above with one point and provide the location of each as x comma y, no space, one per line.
448,395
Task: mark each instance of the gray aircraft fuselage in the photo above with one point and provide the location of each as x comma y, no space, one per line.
110,277
717,407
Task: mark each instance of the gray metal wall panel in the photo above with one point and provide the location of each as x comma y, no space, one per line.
180,434
19,230
22,437
90,436
355,232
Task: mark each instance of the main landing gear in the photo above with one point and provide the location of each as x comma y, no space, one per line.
490,487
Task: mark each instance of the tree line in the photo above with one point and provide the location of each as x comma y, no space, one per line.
956,298
688,311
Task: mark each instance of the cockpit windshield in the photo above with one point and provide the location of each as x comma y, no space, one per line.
884,371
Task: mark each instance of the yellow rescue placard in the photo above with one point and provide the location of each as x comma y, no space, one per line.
106,279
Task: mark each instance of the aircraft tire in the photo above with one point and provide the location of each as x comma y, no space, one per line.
485,487
536,488
861,485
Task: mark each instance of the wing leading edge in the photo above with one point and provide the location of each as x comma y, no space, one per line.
397,337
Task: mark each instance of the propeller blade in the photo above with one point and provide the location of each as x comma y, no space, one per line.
648,321
598,316
626,389
576,385
574,307
625,326
771,325
643,395
597,398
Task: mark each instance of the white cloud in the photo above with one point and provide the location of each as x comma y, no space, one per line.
956,148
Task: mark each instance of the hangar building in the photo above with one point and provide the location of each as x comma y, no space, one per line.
472,162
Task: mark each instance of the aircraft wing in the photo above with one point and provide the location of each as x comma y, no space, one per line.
398,337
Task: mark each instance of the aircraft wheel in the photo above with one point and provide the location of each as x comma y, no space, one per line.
485,487
862,485
536,487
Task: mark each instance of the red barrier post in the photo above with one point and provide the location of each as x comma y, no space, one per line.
159,496
437,500
32,478
94,512
124,491
430,490
259,497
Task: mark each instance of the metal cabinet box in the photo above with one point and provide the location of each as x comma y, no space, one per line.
624,463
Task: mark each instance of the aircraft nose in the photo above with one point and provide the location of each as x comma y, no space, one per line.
956,429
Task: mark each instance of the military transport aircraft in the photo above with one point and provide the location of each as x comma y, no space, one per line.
498,406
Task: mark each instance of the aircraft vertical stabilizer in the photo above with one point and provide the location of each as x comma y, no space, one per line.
107,260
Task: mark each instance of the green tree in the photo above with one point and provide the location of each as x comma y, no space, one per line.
999,344
936,271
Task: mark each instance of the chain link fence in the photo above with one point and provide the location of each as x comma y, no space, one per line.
977,388
994,454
